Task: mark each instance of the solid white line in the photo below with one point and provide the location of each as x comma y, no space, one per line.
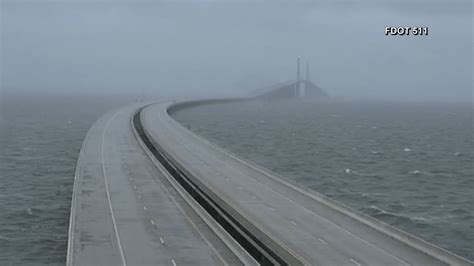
322,241
355,262
117,236
187,216
172,261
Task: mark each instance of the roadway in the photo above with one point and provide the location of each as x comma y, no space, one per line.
125,212
285,215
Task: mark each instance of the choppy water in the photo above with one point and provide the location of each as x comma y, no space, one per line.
40,140
410,165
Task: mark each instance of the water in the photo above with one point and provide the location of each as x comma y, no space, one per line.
40,140
410,165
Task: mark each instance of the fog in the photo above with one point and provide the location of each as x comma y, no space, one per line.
211,48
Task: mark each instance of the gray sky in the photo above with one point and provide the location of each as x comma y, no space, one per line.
218,48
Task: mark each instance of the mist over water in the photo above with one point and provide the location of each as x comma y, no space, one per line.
219,48
410,165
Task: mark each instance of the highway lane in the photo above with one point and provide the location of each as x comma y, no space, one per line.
124,212
313,232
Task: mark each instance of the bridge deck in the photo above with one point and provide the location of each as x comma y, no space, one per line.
123,211
309,230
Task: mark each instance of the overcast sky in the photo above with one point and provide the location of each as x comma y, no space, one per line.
217,48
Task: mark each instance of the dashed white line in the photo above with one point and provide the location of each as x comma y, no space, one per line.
139,196
144,208
322,241
134,187
162,241
293,222
152,222
355,262
172,261
253,197
272,209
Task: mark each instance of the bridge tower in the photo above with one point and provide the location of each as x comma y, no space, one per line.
298,78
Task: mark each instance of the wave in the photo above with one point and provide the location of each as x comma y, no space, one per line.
354,172
379,213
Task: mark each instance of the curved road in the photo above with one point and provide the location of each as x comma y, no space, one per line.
314,233
128,210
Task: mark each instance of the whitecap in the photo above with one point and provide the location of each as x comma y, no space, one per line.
415,172
378,209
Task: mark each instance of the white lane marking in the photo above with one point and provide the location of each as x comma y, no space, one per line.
172,261
152,222
355,262
160,167
117,236
253,197
322,241
292,222
144,208
131,179
134,187
139,196
272,209
162,241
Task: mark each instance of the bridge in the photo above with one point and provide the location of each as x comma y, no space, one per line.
148,191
